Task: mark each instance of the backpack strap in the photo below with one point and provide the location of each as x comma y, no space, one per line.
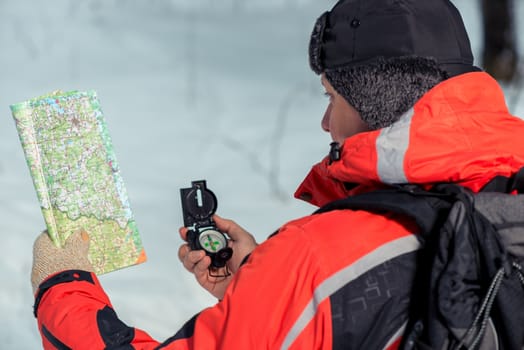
518,181
506,184
422,206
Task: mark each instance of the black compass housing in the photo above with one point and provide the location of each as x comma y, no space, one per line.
198,206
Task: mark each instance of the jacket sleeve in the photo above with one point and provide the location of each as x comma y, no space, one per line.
73,312
264,304
258,311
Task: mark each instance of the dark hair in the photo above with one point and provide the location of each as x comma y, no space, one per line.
387,88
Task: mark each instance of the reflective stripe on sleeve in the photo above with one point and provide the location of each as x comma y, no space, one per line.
378,256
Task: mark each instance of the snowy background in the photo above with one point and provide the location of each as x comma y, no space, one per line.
215,90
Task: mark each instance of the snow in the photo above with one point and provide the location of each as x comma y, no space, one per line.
190,90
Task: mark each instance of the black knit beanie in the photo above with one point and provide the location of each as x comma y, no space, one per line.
383,55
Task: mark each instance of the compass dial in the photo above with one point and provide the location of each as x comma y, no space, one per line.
212,241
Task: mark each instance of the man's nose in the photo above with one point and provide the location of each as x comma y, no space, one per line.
325,119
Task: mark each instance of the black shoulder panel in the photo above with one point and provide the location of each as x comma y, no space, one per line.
115,333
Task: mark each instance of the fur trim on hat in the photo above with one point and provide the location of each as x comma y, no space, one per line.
387,88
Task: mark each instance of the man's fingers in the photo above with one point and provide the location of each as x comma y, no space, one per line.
183,233
182,252
201,268
192,258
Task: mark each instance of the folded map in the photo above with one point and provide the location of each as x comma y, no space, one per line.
76,176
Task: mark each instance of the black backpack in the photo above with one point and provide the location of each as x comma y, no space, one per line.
472,262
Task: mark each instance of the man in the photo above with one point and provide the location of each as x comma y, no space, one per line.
406,105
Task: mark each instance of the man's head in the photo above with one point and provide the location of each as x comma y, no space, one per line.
383,55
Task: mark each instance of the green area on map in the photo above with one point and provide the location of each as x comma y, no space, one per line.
76,176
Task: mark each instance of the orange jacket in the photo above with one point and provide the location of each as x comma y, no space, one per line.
337,280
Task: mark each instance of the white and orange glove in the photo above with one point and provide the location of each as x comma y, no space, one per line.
49,259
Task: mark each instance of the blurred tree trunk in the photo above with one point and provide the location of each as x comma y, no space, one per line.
500,57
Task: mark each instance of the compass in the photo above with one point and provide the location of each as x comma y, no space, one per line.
213,242
198,206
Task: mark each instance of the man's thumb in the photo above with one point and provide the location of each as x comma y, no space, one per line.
78,241
230,227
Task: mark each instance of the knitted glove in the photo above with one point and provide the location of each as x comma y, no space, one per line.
49,259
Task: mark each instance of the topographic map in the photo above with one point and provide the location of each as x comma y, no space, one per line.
76,176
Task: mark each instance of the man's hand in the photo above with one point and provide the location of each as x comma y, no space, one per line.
197,262
49,259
